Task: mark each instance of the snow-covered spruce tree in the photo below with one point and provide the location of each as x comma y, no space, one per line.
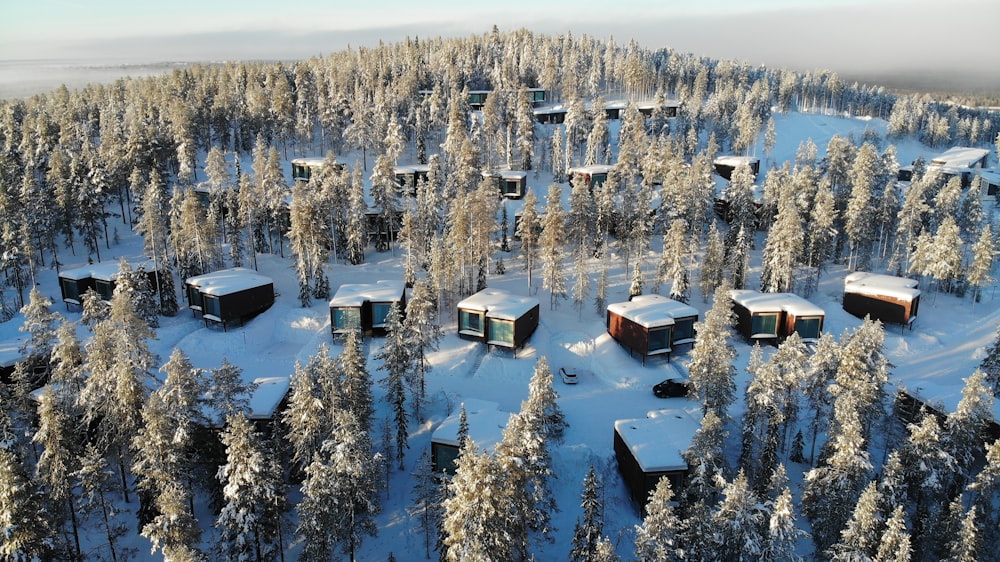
355,392
706,461
963,429
862,374
24,524
985,493
710,363
816,387
655,538
980,270
253,495
741,520
927,468
783,248
425,508
579,228
193,239
551,246
601,295
476,523
97,488
713,263
119,362
588,531
422,334
59,435
41,324
396,360
528,229
990,365
965,546
636,285
781,543
357,226
309,239
305,419
136,286
581,281
226,392
340,493
385,199
859,540
894,546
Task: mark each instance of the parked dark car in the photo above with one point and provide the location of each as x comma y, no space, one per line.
671,388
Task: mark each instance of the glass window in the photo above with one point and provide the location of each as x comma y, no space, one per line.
444,458
470,321
658,339
501,331
380,311
346,319
510,187
683,329
194,297
70,289
808,328
764,325
104,288
211,306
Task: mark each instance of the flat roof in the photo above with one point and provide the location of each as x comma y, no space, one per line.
228,281
486,424
755,301
733,161
499,304
267,396
355,294
312,162
658,441
411,168
592,169
652,311
959,157
875,284
105,270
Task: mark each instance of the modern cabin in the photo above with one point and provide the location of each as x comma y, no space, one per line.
512,184
651,448
593,176
726,165
498,318
303,169
887,298
651,325
364,307
229,295
409,176
959,161
775,316
100,277
486,423
268,399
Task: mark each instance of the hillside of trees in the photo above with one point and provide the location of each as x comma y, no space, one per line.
194,162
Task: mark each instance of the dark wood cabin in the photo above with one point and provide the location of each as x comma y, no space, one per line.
229,295
890,299
101,277
407,177
651,325
512,184
593,176
303,169
364,307
486,423
651,448
775,316
726,165
498,318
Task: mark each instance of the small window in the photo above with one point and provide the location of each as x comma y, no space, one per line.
105,288
70,289
194,298
470,321
380,311
212,306
808,328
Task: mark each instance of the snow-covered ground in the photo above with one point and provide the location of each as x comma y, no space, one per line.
946,344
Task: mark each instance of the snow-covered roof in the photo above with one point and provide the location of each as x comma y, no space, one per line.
731,160
312,162
486,424
505,174
357,294
960,157
267,396
10,351
228,281
411,169
105,270
591,170
757,302
658,441
652,311
875,284
499,304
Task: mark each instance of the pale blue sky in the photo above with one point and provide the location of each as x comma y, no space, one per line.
841,35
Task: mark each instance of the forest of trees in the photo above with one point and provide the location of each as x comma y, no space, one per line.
79,166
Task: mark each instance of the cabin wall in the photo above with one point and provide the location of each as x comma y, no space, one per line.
525,325
744,322
883,308
239,305
628,333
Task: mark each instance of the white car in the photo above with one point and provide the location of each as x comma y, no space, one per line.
568,375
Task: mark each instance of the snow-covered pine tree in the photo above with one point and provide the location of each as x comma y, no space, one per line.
528,230
964,428
713,263
990,365
59,435
588,531
136,286
551,244
40,323
781,544
422,334
355,392
894,546
425,508
706,461
253,495
980,270
96,485
24,524
859,540
655,538
226,393
783,247
476,525
740,518
710,363
357,226
396,360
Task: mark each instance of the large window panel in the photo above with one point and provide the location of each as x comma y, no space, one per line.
764,325
501,331
808,328
470,321
70,289
347,318
380,311
212,306
683,329
658,340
